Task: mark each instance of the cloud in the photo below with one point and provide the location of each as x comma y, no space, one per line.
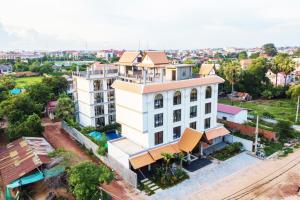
157,24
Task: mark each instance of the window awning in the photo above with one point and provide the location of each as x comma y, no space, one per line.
156,153
189,139
141,160
216,132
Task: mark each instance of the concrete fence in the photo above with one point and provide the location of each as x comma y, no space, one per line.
128,175
247,144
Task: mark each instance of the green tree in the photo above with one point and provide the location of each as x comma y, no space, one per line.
8,81
242,55
57,85
31,127
232,72
254,55
18,107
269,49
294,92
65,108
40,93
288,66
167,158
275,66
85,178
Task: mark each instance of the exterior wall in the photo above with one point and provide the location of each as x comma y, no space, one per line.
139,127
247,144
239,118
84,96
119,155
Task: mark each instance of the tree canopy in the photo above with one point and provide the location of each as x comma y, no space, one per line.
232,72
65,108
85,178
242,55
269,49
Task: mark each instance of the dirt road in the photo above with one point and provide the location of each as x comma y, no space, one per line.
59,139
272,179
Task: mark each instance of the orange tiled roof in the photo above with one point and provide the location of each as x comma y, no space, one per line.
206,69
141,160
189,139
216,132
128,57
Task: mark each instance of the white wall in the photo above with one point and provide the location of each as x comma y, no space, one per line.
117,154
247,144
239,118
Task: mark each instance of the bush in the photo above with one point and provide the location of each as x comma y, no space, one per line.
268,115
228,151
87,130
166,179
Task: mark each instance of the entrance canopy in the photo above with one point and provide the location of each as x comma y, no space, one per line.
141,160
156,153
189,139
216,132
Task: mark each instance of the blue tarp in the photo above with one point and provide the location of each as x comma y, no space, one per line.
15,91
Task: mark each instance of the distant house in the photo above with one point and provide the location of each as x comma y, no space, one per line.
232,113
5,69
240,96
245,63
281,78
50,108
207,69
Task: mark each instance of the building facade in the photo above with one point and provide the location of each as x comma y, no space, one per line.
93,95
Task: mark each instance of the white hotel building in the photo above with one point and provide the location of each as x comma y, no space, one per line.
162,108
93,95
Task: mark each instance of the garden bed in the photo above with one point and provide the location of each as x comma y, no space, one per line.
228,151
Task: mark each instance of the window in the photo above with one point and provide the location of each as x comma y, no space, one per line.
207,123
111,108
99,110
177,98
109,83
158,120
176,132
111,119
207,108
193,125
177,115
193,96
98,85
193,111
110,95
100,121
98,97
158,137
158,101
208,92
224,118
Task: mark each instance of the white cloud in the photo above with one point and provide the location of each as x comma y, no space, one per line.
68,24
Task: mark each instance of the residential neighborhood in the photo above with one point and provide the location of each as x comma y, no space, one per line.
102,100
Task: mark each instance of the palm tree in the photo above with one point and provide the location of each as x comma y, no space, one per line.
288,66
232,71
275,68
167,158
180,157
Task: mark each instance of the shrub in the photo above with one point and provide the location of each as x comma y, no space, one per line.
268,115
228,151
87,130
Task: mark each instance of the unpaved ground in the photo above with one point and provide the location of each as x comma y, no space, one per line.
119,189
271,179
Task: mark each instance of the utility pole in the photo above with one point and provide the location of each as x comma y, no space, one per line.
297,111
256,135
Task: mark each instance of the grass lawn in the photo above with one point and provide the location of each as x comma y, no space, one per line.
279,108
24,82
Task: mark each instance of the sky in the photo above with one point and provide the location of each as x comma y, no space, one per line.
147,24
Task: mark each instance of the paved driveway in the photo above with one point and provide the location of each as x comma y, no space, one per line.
206,176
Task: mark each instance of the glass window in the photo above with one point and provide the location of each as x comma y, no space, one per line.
207,123
176,132
177,98
193,111
177,115
158,101
158,137
98,97
208,92
98,85
99,110
193,125
111,119
110,95
109,83
158,120
111,108
100,121
193,96
207,108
